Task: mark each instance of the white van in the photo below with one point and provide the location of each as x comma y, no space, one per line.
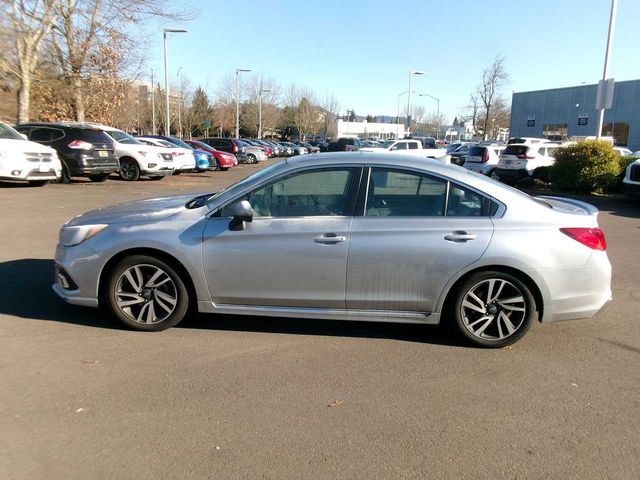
25,161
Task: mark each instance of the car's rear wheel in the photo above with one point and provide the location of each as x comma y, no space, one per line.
493,309
129,170
65,177
147,294
177,172
252,158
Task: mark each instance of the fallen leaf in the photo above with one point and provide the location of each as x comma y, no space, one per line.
335,403
80,410
90,362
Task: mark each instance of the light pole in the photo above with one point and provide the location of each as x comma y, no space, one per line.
411,74
398,117
262,90
437,114
179,103
612,26
167,124
238,70
153,105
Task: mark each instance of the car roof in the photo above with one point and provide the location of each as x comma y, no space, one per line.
68,124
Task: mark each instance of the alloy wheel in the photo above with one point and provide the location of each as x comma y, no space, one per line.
146,294
493,309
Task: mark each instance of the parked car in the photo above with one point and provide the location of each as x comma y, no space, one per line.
310,148
624,152
276,147
204,160
224,160
310,237
427,142
344,145
83,149
323,146
483,159
522,160
138,159
410,147
631,180
295,149
25,161
254,143
458,152
275,151
183,158
229,145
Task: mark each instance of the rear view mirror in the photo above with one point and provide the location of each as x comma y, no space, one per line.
241,212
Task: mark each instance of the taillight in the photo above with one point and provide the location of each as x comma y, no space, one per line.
591,237
485,157
235,148
525,157
80,145
346,148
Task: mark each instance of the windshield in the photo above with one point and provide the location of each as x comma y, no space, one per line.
256,177
123,137
9,133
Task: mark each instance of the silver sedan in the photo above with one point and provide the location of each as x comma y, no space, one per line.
351,236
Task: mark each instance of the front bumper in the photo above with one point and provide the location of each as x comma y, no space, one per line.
33,174
160,172
76,275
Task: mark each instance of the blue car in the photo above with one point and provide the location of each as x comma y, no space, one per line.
204,160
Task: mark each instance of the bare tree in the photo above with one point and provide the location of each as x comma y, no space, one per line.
488,92
329,110
29,23
304,114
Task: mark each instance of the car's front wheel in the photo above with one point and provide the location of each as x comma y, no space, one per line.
493,309
147,294
129,170
252,159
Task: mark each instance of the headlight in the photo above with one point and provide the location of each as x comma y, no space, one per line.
70,236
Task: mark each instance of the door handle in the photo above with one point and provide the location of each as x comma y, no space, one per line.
329,239
460,236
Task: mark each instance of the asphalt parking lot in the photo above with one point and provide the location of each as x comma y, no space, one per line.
243,397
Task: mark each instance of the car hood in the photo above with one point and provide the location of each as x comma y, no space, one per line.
15,145
150,210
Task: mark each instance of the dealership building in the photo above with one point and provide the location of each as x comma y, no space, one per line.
565,113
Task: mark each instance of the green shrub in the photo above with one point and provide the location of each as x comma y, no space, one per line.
585,167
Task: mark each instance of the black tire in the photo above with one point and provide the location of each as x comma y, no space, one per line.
157,177
38,183
224,169
489,324
251,158
65,178
491,172
129,170
99,177
177,172
120,288
217,166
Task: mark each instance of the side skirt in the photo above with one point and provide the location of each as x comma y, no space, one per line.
322,313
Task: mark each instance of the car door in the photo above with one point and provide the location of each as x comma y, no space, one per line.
294,251
416,233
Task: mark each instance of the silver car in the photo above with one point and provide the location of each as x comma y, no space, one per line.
351,236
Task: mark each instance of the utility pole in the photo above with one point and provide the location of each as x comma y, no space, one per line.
612,26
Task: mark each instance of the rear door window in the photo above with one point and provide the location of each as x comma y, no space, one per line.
92,136
515,150
476,151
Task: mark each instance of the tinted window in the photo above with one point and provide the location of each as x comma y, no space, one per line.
7,132
463,202
306,194
400,146
476,151
123,137
515,150
91,136
413,146
394,193
42,134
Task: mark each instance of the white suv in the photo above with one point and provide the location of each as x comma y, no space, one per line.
22,160
521,160
631,181
483,159
183,159
138,159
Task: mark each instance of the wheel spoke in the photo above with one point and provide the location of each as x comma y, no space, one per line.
133,299
142,313
507,322
151,312
468,304
162,297
150,283
497,294
475,298
490,291
136,282
481,319
481,330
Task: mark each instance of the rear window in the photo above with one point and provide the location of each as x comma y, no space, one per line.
91,136
476,151
516,150
516,140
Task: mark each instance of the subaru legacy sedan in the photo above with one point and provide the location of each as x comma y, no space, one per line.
345,236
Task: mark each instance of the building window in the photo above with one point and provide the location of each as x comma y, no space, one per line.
554,131
619,132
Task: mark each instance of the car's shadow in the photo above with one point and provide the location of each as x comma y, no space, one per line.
25,292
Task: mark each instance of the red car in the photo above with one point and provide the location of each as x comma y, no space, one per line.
224,160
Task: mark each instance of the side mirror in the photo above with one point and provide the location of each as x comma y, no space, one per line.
241,212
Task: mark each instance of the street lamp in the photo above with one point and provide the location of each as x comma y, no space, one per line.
437,114
612,26
262,90
238,70
167,124
411,74
153,105
179,103
398,117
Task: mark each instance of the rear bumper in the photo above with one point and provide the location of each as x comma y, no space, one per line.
576,292
160,172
